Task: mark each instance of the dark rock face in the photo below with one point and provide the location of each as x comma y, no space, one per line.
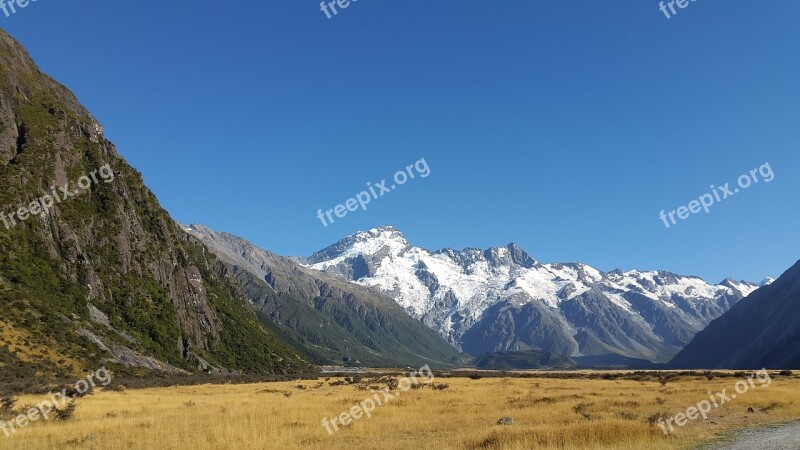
761,331
111,248
507,327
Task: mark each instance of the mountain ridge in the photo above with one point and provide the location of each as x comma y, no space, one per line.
566,308
760,331
359,323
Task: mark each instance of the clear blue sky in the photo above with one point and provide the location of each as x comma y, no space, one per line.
564,126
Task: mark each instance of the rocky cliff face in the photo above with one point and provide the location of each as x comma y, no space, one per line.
104,273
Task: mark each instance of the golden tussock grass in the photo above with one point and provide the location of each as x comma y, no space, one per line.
547,413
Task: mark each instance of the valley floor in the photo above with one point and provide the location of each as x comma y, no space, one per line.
451,413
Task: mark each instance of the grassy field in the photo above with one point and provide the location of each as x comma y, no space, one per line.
459,413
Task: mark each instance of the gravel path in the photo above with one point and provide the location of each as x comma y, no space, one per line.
774,437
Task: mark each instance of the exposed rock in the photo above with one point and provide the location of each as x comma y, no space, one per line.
505,421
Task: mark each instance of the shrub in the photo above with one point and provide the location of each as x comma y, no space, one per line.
581,408
655,418
7,404
66,412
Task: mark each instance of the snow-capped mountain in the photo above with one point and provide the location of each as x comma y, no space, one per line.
501,299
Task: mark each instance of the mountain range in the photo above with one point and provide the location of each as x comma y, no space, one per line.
501,299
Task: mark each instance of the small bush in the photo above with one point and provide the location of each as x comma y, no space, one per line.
581,408
7,404
655,418
66,412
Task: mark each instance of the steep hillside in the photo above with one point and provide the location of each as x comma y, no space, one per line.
328,318
102,273
761,331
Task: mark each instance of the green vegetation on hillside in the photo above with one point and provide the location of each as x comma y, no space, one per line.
112,248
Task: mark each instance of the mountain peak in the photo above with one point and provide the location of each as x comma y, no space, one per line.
386,228
382,232
376,240
511,253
